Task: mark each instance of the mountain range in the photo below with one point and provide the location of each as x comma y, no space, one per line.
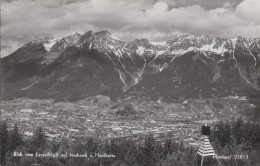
78,66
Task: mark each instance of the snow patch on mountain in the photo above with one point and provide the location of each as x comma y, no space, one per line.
140,50
122,77
49,43
182,51
211,47
233,41
90,45
118,53
137,79
114,37
160,52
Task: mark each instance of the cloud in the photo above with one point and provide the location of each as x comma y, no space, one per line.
8,47
250,11
157,20
228,4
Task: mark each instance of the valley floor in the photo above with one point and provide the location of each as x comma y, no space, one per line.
180,121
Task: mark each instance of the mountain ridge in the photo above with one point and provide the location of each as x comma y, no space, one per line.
114,67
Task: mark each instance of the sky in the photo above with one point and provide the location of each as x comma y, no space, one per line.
157,20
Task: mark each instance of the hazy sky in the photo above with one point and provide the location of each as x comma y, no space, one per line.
156,20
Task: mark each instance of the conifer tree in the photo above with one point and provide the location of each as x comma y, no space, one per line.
39,140
15,138
237,130
148,151
3,141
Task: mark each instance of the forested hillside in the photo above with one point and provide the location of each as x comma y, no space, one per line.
236,137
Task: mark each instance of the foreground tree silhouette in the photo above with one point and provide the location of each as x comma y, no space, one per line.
38,141
3,141
148,151
15,138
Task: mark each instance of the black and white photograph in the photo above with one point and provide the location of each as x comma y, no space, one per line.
130,83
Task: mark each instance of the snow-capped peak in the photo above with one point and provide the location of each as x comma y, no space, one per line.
73,34
103,41
160,43
102,33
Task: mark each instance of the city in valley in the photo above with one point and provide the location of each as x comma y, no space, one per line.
131,118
